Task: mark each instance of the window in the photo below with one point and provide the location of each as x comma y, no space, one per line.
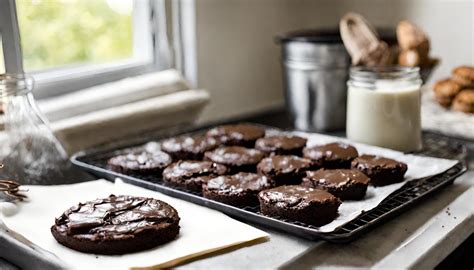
69,45
74,32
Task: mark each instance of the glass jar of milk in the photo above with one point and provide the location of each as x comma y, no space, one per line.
383,107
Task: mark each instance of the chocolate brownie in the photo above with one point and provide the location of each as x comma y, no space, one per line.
191,174
345,184
281,145
240,134
333,155
236,158
116,225
285,170
238,190
140,162
185,148
464,76
464,102
308,205
381,171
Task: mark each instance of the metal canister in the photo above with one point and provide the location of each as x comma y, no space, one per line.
315,66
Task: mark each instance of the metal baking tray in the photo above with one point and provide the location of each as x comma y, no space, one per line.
95,162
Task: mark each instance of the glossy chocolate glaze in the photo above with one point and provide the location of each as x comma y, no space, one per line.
331,152
295,196
284,164
335,178
371,162
238,183
234,133
141,161
381,171
195,145
283,142
234,155
191,168
115,218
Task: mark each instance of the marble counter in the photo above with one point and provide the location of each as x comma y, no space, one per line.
419,238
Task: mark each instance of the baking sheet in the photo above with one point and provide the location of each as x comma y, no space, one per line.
202,230
418,167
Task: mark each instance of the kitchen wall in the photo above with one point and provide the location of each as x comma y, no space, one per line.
239,62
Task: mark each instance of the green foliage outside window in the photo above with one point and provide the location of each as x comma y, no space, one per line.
56,33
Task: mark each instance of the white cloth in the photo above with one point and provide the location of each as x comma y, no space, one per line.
97,127
202,230
113,94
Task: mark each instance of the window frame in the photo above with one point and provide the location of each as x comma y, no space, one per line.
148,54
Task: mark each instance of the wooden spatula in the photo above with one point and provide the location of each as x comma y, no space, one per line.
362,42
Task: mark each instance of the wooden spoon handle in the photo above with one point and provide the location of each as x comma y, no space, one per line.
362,42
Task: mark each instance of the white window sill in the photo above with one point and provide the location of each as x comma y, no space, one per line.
99,114
113,94
54,82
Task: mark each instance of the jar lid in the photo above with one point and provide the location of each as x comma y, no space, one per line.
330,35
320,47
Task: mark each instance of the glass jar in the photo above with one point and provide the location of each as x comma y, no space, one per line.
29,151
383,107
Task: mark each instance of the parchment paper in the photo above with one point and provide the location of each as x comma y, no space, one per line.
418,167
202,230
